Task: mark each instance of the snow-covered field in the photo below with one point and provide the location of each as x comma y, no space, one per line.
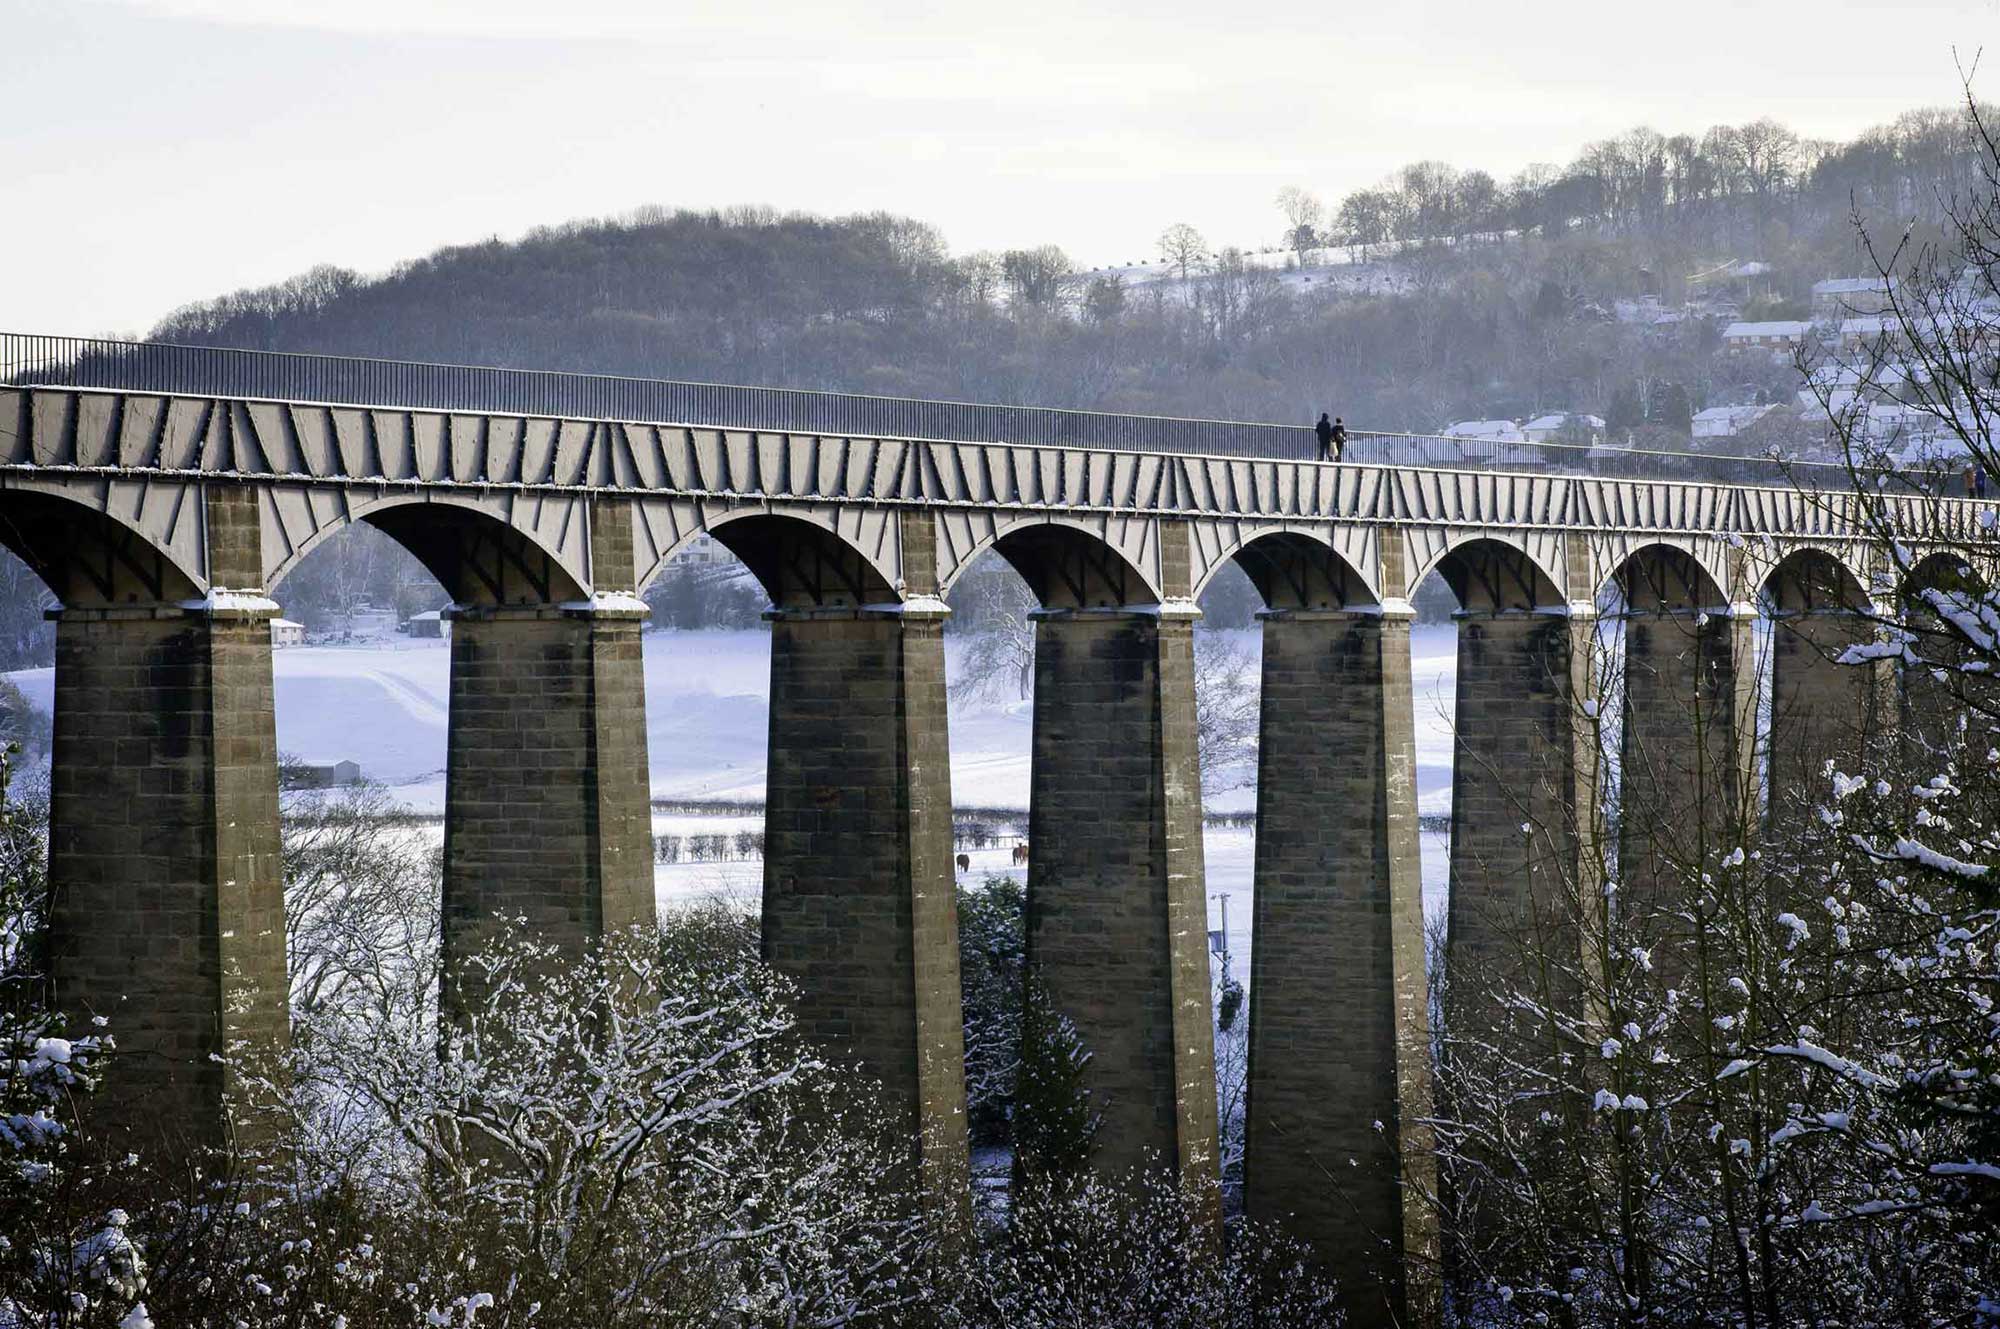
707,698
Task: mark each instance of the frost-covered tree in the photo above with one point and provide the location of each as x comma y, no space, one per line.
60,1255
637,1136
1303,213
361,901
1183,249
1767,1091
1084,1251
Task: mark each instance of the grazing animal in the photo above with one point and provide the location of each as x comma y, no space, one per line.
965,862
1020,854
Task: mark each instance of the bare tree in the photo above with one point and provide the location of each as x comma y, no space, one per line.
361,899
1303,214
1770,152
990,605
1367,217
27,639
1182,248
1226,712
1041,278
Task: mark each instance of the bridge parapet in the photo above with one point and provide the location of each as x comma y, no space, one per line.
318,467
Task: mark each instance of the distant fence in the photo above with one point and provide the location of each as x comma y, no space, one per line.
87,362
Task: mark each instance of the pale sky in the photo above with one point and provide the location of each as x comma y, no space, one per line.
155,152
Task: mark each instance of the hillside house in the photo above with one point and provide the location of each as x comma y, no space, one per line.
1967,330
1563,426
1774,336
320,774
1839,298
1494,443
285,632
1868,330
1491,431
1727,421
1840,384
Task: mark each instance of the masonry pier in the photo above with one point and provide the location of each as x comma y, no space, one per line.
1525,769
167,912
1822,709
547,801
1339,1053
860,905
1117,912
1689,730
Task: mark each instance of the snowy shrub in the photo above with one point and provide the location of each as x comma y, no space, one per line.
635,1136
1085,1251
60,1249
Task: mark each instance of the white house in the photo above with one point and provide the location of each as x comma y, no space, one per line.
1867,329
1840,383
1768,335
1839,297
1968,329
284,632
320,774
1543,428
1492,431
1727,421
705,551
1492,442
432,625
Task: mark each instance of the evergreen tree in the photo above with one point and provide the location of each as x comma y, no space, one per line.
1055,1123
1624,412
1669,408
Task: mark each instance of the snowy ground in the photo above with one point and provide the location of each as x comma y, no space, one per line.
707,698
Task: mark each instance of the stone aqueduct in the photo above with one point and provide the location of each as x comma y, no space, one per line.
165,523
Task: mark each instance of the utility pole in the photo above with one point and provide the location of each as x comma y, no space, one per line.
1222,951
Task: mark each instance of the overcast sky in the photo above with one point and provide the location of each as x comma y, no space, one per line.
156,152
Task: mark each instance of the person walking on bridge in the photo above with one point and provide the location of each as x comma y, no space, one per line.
1324,431
1339,438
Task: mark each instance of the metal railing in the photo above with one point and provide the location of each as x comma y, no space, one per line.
87,362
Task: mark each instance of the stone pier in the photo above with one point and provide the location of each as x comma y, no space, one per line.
860,903
1339,1051
547,801
168,904
1524,789
1821,709
1117,916
1685,759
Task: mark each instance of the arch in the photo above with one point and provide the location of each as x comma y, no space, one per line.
1943,571
1666,578
802,565
1067,565
1292,570
89,558
663,530
479,558
1492,575
1810,579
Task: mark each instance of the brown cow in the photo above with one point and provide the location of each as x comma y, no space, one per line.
965,862
1021,854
